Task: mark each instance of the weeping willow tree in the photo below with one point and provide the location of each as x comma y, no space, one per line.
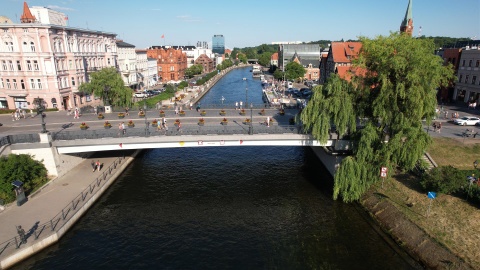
393,87
108,79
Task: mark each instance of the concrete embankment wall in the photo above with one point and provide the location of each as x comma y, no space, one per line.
330,162
28,251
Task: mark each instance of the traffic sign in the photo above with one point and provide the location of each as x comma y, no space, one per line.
383,172
432,195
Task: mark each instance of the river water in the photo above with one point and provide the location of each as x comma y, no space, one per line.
222,208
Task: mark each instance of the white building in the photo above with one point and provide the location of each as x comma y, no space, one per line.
152,75
127,64
467,89
193,53
49,16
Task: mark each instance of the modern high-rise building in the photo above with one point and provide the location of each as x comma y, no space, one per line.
218,44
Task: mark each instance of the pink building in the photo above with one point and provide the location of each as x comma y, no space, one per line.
49,62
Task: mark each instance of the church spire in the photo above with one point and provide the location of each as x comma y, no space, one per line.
27,16
407,23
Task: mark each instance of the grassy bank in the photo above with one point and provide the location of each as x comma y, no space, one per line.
452,221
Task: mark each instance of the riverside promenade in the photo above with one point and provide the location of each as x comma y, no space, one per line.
52,210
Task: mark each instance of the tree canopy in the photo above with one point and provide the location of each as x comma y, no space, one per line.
393,86
23,167
193,70
294,70
108,78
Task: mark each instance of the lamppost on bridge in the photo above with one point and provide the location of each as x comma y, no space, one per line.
250,128
40,110
147,130
246,92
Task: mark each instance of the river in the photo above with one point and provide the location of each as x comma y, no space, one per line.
223,207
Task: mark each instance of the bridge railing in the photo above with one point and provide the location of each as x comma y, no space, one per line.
140,130
42,231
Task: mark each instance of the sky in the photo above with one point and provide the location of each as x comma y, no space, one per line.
249,23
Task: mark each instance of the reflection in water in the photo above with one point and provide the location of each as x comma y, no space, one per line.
222,207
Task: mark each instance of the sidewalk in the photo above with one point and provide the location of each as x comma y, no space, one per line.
46,203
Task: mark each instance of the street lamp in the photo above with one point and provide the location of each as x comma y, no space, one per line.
40,110
106,89
147,131
246,91
250,128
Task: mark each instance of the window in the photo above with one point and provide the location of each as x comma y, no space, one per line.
32,46
73,81
25,30
453,61
463,63
15,86
474,79
126,67
477,63
1,82
24,46
10,63
19,66
160,69
108,60
460,78
470,63
39,83
29,65
32,83
466,78
10,46
172,68
4,64
22,84
70,64
35,65
8,84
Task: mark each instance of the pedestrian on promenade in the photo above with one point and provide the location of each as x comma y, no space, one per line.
97,165
120,131
241,104
126,111
13,116
95,110
268,121
123,128
198,107
191,105
93,165
236,105
21,234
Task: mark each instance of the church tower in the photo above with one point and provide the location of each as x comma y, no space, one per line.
407,23
27,16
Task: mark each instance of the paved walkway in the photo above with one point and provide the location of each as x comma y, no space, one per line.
46,203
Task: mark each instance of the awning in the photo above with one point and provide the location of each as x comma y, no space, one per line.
18,95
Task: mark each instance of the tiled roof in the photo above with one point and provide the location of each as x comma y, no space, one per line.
274,56
27,16
124,44
344,52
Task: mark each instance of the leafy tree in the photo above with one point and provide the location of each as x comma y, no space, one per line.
193,70
251,53
242,57
278,74
394,83
23,167
264,59
294,70
446,180
118,93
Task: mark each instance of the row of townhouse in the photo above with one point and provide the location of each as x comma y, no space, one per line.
466,63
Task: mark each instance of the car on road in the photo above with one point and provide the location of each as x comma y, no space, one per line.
467,121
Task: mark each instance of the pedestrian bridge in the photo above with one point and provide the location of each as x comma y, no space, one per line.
236,134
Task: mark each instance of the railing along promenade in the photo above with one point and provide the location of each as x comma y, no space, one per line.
57,223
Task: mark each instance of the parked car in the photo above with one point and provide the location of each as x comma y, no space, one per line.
140,95
467,121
